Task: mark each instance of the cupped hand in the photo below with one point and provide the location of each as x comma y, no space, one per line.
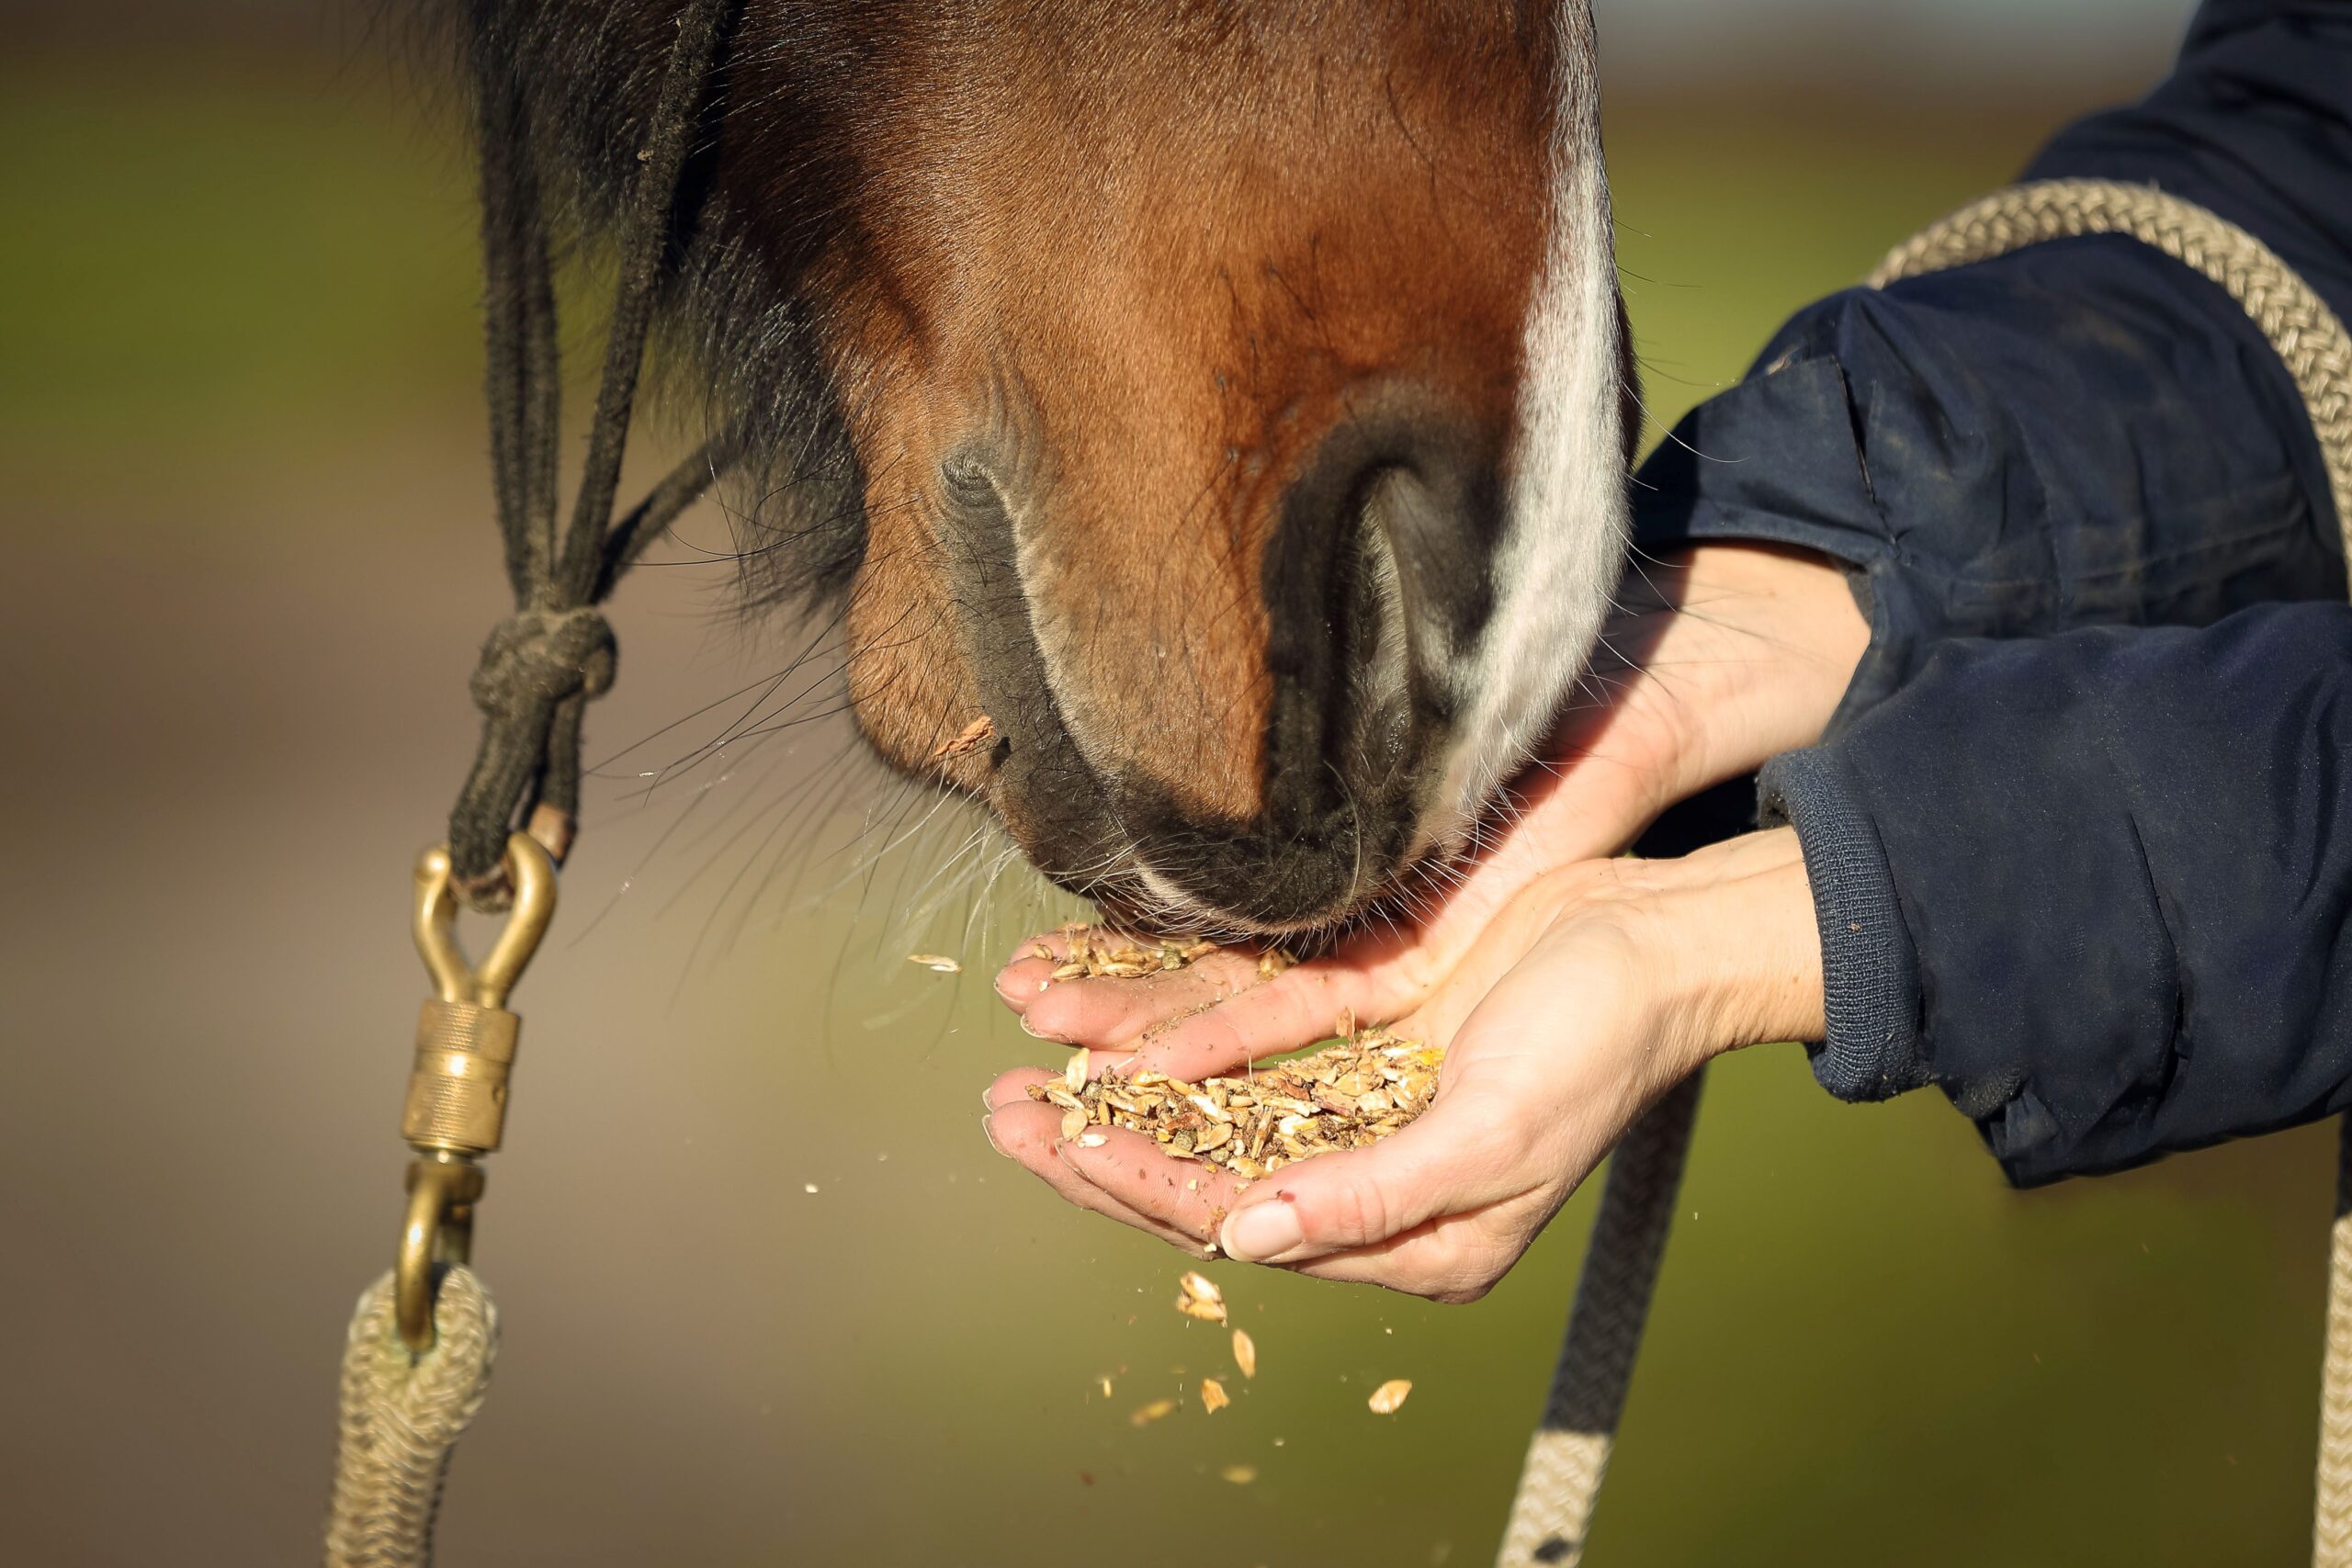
1611,982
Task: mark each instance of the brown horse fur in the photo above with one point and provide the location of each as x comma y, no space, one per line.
1155,378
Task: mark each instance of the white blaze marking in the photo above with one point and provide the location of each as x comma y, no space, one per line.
1563,536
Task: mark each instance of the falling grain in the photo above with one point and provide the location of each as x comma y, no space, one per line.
1197,1296
1388,1396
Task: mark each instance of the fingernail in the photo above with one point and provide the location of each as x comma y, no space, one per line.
1262,1230
1035,1032
988,1132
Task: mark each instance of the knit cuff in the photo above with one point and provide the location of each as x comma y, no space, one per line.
1869,972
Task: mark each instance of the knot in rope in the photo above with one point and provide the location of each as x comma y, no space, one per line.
543,664
539,670
536,657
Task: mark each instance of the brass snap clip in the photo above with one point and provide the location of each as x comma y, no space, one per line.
455,1111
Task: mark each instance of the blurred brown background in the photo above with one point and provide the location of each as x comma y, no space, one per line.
248,562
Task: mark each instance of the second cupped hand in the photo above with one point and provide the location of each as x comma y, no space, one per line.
1596,988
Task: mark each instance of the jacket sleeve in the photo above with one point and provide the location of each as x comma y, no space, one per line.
2094,886
2083,432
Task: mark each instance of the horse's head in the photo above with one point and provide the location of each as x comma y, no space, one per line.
1224,400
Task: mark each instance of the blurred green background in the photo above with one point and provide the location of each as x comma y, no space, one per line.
248,562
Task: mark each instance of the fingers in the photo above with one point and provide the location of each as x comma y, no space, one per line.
1459,1158
1114,1011
1012,1088
1448,1261
1029,1133
1376,974
1028,972
1295,1008
1217,1014
1185,1196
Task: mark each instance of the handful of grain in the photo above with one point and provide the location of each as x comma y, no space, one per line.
1345,1096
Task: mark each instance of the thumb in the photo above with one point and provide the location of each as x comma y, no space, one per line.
1455,1157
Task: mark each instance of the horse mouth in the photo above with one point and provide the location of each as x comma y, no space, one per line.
1373,581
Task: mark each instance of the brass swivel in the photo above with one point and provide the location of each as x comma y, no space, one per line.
455,1109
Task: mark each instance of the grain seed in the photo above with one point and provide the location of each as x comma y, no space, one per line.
1240,1474
939,961
1212,1396
1153,1412
1389,1395
1199,1297
973,736
1245,1352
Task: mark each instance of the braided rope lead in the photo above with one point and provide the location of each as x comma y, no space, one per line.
2317,352
1569,1454
2332,1505
402,1414
2306,334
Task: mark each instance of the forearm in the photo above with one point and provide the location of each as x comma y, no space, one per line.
1746,950
1735,652
2083,432
2117,870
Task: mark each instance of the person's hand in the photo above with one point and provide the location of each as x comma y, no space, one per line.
1626,977
1718,660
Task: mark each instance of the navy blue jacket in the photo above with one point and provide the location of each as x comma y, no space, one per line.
2080,835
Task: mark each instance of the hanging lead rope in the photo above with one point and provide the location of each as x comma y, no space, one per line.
1569,1453
421,1345
401,1417
2332,1499
1565,1461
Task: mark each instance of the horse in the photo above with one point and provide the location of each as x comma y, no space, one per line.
1207,421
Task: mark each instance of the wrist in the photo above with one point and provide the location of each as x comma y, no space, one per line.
1752,648
1730,935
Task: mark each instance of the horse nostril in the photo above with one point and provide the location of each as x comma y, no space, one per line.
1378,577
1376,581
1372,628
